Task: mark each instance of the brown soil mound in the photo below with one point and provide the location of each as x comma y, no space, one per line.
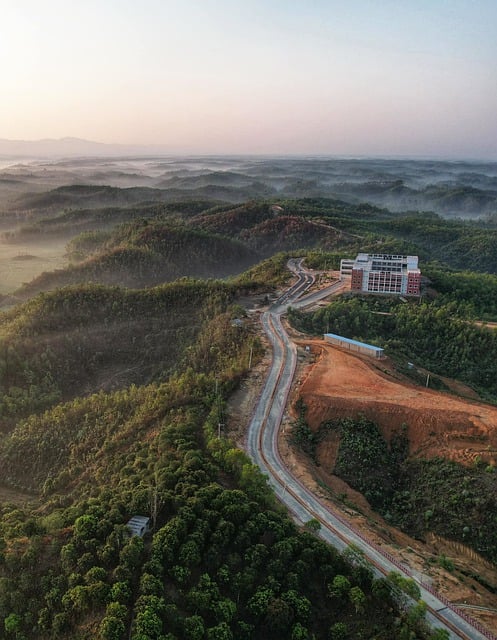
340,384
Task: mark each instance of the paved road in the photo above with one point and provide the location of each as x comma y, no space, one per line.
262,444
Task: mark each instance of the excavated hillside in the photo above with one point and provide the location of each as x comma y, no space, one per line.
336,384
339,384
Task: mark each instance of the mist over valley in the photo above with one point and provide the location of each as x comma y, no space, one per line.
46,202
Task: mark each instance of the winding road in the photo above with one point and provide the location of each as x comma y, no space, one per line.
262,446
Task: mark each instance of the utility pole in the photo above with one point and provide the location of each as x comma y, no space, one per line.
218,407
154,506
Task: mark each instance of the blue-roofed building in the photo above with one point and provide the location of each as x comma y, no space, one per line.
355,346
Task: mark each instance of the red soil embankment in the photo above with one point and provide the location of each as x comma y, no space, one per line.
340,384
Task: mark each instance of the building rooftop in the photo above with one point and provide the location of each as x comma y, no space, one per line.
386,262
138,525
356,342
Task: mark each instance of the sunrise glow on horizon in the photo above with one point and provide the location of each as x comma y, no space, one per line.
205,76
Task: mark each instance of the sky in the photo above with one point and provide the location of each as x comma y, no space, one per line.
363,77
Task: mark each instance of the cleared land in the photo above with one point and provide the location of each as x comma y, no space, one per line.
334,383
322,377
340,384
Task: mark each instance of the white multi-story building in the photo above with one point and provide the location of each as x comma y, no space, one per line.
346,266
384,273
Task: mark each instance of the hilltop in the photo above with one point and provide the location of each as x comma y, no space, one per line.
269,229
150,243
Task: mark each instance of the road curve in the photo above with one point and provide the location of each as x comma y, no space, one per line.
262,446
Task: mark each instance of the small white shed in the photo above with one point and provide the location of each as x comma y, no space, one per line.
138,526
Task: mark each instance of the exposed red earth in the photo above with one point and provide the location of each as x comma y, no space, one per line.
340,384
334,383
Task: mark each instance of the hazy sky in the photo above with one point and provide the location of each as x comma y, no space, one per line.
369,77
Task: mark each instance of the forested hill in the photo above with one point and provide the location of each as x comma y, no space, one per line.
71,221
224,561
188,239
335,225
82,339
97,196
113,404
270,228
179,240
452,189
145,253
85,338
88,196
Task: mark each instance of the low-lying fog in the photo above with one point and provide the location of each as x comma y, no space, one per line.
274,172
20,263
461,189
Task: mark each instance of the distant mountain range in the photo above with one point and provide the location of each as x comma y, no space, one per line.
67,147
